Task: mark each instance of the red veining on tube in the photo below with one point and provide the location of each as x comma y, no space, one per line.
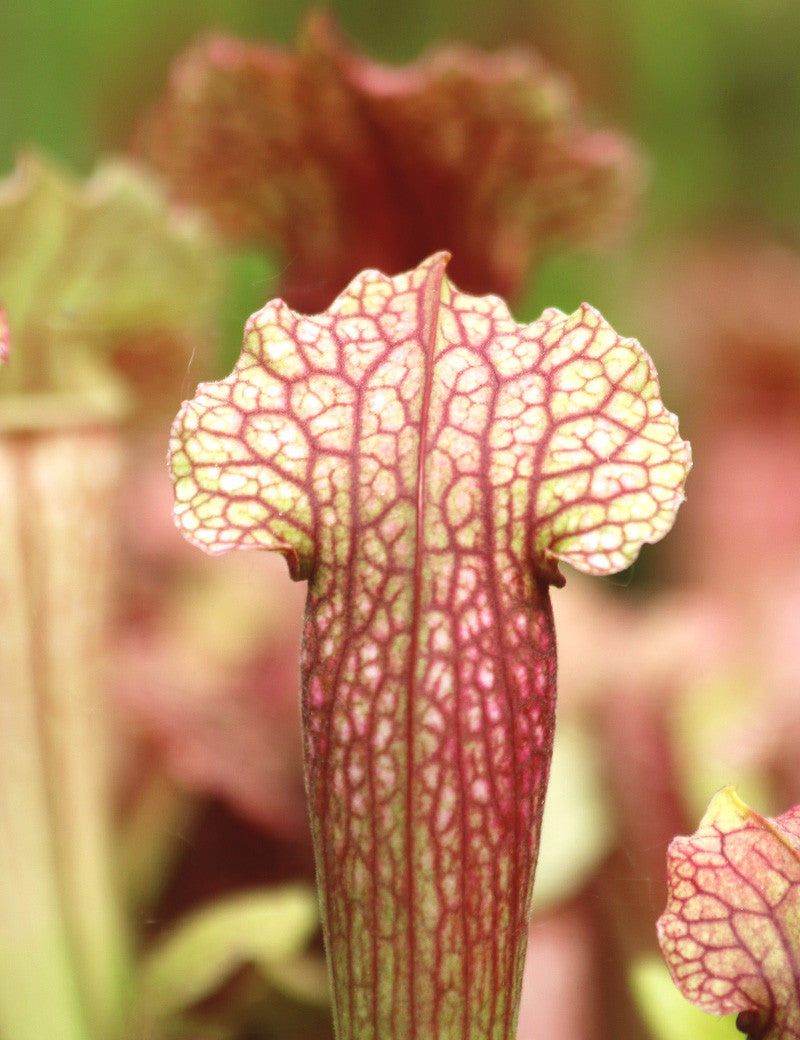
424,462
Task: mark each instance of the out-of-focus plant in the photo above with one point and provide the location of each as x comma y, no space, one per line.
425,463
339,163
88,273
80,266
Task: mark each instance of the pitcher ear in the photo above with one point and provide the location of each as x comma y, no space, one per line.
612,466
238,461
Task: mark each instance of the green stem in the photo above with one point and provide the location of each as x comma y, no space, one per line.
66,483
39,990
74,480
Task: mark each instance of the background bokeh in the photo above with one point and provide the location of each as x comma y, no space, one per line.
711,91
680,675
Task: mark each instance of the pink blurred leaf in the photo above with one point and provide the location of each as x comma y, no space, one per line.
218,706
560,990
5,337
341,163
728,310
425,462
730,934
